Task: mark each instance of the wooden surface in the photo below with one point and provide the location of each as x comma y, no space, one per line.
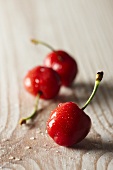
84,28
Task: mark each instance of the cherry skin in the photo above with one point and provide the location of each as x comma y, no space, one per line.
42,80
68,124
63,64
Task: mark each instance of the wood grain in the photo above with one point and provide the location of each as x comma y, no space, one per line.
85,30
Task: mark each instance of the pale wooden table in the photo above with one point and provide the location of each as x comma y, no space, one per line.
84,28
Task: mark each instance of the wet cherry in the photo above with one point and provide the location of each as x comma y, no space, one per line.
62,63
42,82
68,124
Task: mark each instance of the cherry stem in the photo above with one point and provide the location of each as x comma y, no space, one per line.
99,77
23,120
34,41
43,43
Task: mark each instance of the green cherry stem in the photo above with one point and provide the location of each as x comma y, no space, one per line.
34,41
99,77
23,120
43,43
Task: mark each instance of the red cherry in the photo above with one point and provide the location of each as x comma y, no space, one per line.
68,124
42,80
62,63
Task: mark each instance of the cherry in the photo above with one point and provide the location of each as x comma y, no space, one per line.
42,82
68,124
61,62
